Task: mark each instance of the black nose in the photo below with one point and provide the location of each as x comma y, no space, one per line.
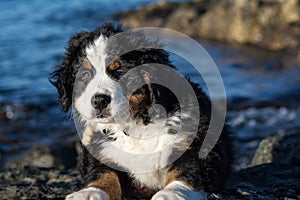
100,101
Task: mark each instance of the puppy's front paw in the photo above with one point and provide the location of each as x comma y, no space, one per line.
178,191
175,195
90,193
165,195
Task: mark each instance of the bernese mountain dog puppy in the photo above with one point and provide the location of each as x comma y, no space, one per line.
116,161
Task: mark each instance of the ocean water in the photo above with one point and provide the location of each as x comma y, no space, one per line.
33,35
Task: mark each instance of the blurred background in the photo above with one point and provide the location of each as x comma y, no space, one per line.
255,45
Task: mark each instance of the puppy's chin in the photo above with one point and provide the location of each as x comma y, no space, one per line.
92,118
112,119
121,115
105,120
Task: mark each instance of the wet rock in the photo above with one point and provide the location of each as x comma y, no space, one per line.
270,24
2,114
40,155
27,137
37,183
266,181
278,149
274,176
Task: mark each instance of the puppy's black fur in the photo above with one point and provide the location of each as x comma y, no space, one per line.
209,173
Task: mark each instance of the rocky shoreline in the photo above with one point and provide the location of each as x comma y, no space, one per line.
274,174
271,24
37,183
268,182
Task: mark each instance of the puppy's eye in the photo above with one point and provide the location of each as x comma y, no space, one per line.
86,75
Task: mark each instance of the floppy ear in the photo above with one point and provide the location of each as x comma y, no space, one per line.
64,76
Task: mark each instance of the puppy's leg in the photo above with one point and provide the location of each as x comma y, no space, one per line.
106,187
176,189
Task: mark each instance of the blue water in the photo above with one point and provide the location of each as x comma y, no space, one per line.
33,35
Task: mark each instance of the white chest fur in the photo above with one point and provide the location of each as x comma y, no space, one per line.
145,152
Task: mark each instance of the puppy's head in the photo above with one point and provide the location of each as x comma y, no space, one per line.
88,79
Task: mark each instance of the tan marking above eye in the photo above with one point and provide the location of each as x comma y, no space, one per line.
147,81
134,102
87,64
136,99
114,65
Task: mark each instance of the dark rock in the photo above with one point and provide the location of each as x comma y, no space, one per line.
270,24
37,183
27,137
267,181
2,114
278,149
60,155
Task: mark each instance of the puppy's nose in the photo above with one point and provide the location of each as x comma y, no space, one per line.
100,101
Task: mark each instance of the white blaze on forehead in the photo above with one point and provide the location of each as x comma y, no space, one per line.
96,53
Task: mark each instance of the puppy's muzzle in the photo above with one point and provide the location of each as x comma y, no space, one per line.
100,103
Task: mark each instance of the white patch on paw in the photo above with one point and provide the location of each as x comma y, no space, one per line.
165,195
178,191
90,193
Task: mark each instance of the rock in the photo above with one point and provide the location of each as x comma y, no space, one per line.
27,137
58,155
37,183
271,24
278,149
275,174
264,152
267,181
2,114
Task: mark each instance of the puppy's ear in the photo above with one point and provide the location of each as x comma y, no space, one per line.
64,76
